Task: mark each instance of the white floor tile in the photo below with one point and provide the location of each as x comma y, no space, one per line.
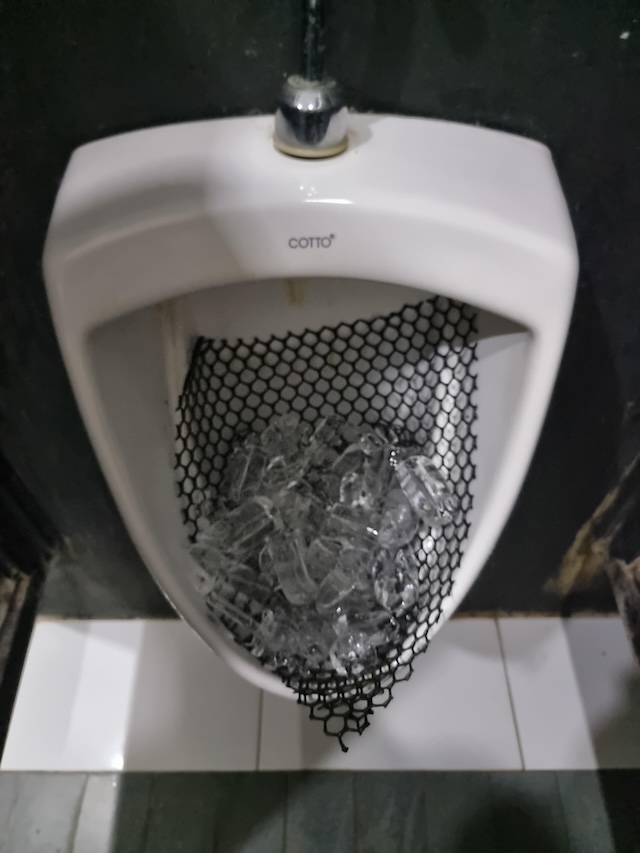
190,711
148,695
608,679
551,718
453,714
73,702
143,695
575,687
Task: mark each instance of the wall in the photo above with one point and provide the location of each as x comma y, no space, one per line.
566,72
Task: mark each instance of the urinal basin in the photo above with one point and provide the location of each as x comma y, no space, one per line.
204,229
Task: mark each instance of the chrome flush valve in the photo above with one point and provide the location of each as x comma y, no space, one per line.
311,115
311,118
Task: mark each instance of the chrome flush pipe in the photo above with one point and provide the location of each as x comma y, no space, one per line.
311,116
314,39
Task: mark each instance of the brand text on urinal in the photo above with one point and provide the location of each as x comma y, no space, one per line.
312,242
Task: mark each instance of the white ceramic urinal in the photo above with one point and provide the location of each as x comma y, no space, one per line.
205,229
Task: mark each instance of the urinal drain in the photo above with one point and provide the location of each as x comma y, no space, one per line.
414,371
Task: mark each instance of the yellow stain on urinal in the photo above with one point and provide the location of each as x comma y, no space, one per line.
294,291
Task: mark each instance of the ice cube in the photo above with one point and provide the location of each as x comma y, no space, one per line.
399,522
352,653
248,525
395,583
282,555
227,614
243,473
426,490
321,558
350,525
281,437
334,588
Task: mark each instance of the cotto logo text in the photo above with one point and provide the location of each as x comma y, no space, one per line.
311,242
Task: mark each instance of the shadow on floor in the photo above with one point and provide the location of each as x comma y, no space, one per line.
367,813
328,812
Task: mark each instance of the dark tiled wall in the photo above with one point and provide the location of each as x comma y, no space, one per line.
560,71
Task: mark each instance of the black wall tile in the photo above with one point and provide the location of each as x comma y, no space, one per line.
556,71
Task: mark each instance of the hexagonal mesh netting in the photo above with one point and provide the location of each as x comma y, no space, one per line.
413,370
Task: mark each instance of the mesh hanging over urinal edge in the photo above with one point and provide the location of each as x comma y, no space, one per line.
412,370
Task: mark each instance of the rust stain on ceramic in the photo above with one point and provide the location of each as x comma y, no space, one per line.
294,291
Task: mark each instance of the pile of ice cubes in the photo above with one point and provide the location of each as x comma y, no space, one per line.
308,555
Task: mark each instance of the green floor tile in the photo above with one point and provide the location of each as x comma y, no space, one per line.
320,813
390,812
97,817
165,813
527,815
530,812
585,812
459,810
251,815
621,795
39,811
198,812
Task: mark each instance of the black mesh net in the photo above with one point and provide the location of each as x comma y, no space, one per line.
414,371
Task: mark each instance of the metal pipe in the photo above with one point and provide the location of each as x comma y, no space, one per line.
311,115
314,43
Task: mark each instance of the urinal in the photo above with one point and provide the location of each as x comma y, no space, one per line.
204,231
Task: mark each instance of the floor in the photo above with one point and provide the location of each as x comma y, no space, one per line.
538,812
131,736
507,694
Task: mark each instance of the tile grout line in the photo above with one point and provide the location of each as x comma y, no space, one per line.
259,737
286,812
510,694
354,816
561,803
